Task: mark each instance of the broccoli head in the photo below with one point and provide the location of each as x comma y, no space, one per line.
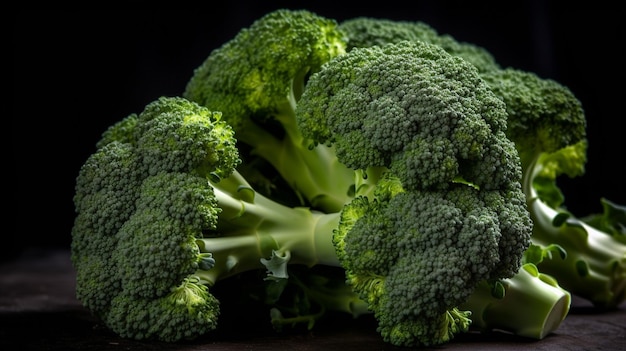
162,215
263,68
415,109
255,80
447,210
149,175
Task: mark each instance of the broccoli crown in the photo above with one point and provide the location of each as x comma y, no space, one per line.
263,66
367,31
142,199
448,212
414,256
414,108
543,115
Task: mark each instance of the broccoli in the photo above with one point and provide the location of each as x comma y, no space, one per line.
256,79
448,211
212,86
162,215
406,177
548,125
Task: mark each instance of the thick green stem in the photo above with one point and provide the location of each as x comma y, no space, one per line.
252,226
595,265
366,181
315,174
533,306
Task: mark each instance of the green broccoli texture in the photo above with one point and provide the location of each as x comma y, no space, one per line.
364,167
547,123
162,215
368,31
460,218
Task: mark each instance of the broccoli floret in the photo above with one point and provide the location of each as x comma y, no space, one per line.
368,31
448,211
256,79
415,109
163,215
415,256
548,125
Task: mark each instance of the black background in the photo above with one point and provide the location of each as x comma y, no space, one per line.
77,72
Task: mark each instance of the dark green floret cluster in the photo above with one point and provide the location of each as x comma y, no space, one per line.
363,167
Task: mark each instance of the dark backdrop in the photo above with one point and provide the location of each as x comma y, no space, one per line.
76,72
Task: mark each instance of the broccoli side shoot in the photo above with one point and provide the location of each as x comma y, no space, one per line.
447,210
256,80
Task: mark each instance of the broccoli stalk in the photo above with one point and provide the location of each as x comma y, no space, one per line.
594,264
254,232
548,125
531,304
